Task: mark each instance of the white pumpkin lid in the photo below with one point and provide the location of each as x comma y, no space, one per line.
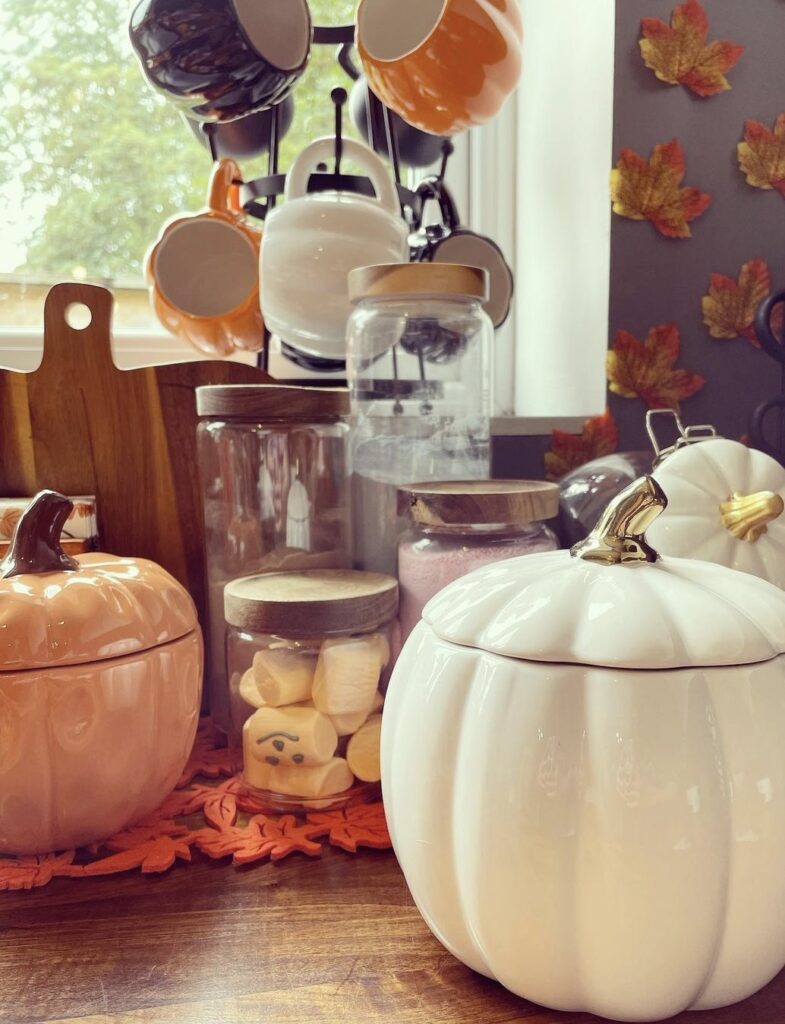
726,504
614,603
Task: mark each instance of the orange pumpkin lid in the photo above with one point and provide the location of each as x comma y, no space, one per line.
56,610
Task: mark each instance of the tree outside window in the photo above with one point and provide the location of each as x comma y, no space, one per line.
93,161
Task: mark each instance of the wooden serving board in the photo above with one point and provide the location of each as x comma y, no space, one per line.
80,425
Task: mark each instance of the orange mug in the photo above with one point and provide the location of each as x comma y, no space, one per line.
204,273
442,65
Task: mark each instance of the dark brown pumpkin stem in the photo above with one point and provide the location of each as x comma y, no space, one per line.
35,547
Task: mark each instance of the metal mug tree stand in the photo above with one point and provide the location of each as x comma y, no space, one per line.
261,195
772,340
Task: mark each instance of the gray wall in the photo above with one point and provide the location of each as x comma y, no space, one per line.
655,280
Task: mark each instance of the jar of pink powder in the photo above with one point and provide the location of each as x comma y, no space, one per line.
459,526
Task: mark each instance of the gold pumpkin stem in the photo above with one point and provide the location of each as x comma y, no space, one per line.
747,516
618,538
35,547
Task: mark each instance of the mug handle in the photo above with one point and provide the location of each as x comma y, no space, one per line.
323,151
224,194
434,188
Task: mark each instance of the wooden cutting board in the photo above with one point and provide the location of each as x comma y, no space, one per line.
80,425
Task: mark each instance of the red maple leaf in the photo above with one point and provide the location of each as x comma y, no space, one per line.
364,825
679,53
651,190
600,436
645,369
762,155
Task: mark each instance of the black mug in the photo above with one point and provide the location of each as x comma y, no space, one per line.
448,242
415,148
219,60
246,137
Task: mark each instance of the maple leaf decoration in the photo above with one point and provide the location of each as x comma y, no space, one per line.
762,155
680,55
35,871
651,190
646,369
569,451
729,308
363,825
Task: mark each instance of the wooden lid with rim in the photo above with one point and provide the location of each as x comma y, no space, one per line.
480,502
272,402
397,279
311,603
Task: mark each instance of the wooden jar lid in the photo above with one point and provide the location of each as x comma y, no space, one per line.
311,603
397,279
480,502
272,402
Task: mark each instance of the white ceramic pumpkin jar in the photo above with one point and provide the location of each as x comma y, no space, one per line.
584,773
726,502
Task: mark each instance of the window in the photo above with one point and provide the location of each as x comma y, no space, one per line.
94,161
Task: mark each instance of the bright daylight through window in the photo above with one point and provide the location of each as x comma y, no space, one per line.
93,161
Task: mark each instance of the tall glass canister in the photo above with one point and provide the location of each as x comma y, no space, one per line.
419,366
274,465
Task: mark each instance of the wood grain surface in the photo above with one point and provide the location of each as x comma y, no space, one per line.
80,425
329,941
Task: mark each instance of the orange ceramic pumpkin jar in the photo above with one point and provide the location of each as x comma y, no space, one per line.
100,687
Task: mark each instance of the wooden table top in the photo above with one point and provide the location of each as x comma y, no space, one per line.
333,941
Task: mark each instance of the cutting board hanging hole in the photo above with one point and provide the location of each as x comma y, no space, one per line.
78,316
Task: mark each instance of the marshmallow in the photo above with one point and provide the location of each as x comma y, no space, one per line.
348,673
283,676
347,725
363,752
293,736
317,781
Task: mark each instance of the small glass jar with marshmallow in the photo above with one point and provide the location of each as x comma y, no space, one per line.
309,655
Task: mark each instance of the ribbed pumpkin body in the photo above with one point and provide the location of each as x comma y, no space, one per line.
701,481
596,839
86,750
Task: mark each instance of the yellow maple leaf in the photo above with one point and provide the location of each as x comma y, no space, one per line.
680,55
730,306
651,190
762,155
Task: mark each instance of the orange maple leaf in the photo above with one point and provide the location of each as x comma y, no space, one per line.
210,756
679,54
153,856
569,451
33,872
651,190
762,155
729,308
285,836
364,825
646,369
261,838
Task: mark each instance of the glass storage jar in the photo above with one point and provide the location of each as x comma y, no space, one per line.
275,476
309,657
459,526
419,359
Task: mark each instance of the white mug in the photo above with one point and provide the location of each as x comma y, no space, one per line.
313,241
